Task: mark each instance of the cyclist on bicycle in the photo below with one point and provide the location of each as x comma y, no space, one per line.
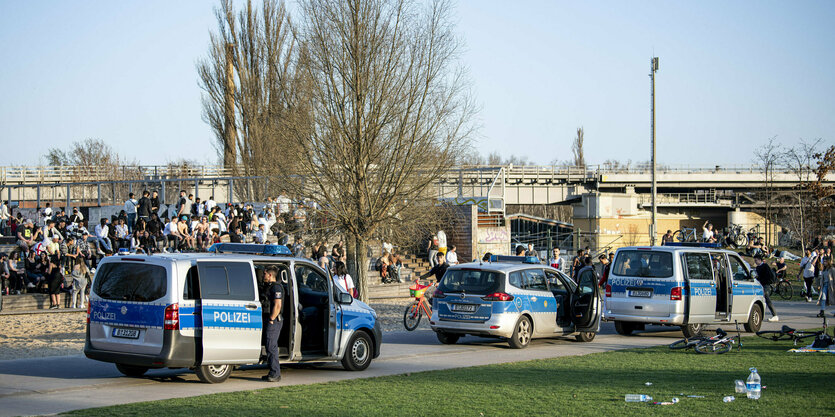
780,268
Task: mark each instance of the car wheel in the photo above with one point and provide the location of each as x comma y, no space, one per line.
521,334
755,319
692,329
447,339
213,374
585,336
359,353
624,328
131,370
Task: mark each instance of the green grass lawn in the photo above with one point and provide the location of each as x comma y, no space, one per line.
595,384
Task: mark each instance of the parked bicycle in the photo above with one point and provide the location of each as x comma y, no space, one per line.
788,333
415,311
685,234
722,344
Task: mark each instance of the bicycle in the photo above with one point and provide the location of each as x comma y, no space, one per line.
737,235
720,345
685,234
788,333
415,311
782,288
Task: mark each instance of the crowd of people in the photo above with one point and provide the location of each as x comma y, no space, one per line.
58,251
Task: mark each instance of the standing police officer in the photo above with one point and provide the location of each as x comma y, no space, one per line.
272,322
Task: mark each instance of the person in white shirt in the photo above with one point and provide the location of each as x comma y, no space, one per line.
172,234
452,256
442,241
707,233
555,261
210,204
343,281
4,216
807,270
48,231
261,234
122,234
46,213
101,231
130,209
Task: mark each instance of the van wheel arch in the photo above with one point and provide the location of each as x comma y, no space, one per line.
213,374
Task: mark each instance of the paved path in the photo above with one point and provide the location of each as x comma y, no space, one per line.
58,384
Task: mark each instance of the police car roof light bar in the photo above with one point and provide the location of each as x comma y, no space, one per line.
515,259
251,249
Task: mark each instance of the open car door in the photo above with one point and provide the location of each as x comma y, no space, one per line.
585,303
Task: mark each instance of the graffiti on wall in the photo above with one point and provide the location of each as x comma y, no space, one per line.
493,235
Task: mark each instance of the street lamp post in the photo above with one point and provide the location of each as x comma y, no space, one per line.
653,228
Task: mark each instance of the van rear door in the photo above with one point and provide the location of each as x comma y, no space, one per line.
229,312
701,288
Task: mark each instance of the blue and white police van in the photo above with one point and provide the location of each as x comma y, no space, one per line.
514,298
686,285
202,311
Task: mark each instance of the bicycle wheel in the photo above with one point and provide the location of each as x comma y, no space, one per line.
740,240
709,347
686,343
412,315
784,290
678,236
771,334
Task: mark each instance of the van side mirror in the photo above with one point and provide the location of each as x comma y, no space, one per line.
344,298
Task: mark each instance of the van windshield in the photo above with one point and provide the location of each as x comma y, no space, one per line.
130,282
650,264
470,281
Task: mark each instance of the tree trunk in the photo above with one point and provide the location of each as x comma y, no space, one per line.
802,228
358,264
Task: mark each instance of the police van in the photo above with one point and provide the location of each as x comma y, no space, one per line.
686,285
514,298
202,311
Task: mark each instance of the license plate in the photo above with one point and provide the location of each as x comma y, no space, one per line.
640,293
126,333
466,308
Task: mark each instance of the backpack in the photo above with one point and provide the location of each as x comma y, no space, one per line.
768,278
379,265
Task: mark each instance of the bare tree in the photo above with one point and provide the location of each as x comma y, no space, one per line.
577,149
389,111
767,157
251,61
799,160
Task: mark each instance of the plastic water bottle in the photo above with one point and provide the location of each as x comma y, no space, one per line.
638,398
728,399
754,385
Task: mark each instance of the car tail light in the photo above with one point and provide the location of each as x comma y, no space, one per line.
88,312
172,317
498,296
675,294
608,290
438,294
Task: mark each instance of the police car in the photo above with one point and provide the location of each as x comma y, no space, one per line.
684,284
514,298
202,311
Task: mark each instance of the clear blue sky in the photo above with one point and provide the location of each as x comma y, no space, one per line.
732,74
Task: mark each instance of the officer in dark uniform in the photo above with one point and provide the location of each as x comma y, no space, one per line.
272,322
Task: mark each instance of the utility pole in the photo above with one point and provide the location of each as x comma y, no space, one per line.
654,227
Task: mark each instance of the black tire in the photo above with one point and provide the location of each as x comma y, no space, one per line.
624,328
740,240
412,316
522,333
686,343
678,236
784,290
692,330
447,338
771,334
213,374
585,336
755,319
131,370
359,352
716,348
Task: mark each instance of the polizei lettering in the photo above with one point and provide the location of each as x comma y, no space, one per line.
97,315
231,317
